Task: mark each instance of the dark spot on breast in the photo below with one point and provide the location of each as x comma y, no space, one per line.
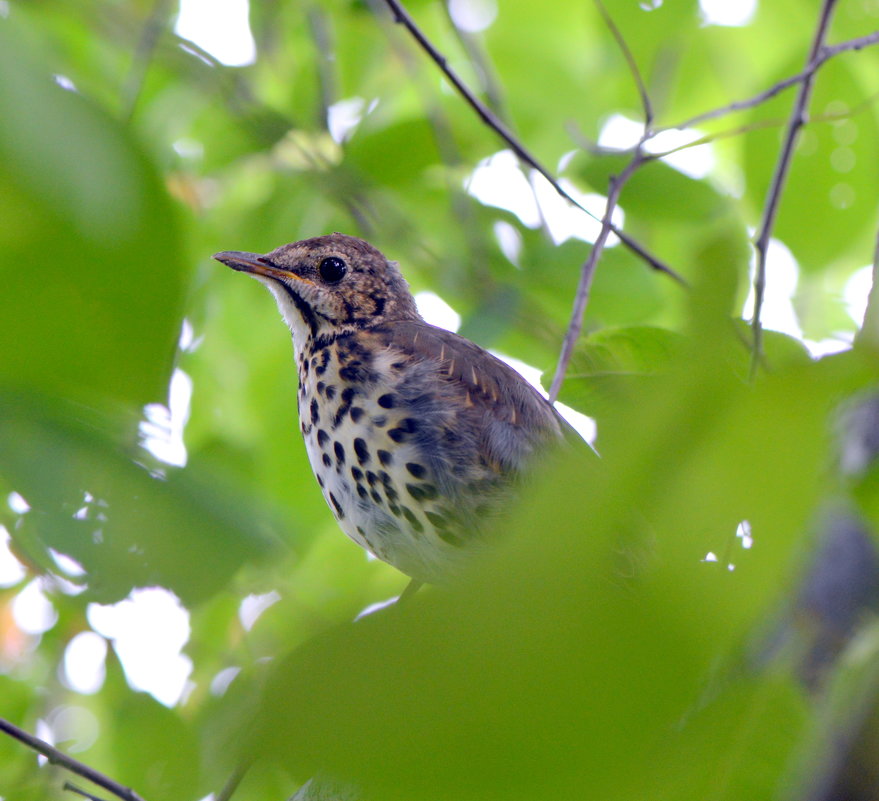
439,521
304,366
356,414
376,497
385,478
412,519
395,510
417,470
450,437
391,492
322,437
385,457
340,452
339,513
347,394
380,422
388,400
361,491
357,474
315,412
327,461
302,428
371,478
404,430
450,538
321,387
361,450
320,481
354,372
422,492
331,392
398,365
324,361
484,510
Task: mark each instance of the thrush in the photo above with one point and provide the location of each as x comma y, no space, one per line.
418,437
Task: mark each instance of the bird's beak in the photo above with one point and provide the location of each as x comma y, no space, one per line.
255,264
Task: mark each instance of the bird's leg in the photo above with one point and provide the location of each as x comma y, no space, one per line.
411,588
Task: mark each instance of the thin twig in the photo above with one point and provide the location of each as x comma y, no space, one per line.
152,30
57,757
859,43
402,17
615,187
749,128
770,211
824,54
623,45
323,44
480,63
72,788
587,273
232,784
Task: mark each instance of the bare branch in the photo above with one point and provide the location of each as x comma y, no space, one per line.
825,53
72,788
623,45
57,757
143,53
232,784
587,273
490,119
615,187
797,120
326,57
828,51
754,126
480,63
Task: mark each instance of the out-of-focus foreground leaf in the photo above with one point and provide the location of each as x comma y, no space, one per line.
582,655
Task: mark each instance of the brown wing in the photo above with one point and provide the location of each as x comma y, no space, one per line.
495,407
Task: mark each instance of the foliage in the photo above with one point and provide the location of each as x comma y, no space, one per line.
595,648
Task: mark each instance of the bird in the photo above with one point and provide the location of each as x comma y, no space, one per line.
419,439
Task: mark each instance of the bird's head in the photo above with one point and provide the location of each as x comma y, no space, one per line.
329,284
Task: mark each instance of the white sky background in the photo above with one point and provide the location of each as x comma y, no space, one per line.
150,628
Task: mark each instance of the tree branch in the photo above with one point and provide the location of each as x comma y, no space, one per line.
146,44
232,784
402,17
72,788
623,45
770,211
490,87
587,273
57,757
616,184
825,53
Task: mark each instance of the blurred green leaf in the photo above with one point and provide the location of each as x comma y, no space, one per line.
595,651
829,202
126,527
89,251
155,749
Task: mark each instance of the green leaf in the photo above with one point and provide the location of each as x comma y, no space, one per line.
126,527
613,361
89,252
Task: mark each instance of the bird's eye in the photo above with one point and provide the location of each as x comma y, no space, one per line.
332,270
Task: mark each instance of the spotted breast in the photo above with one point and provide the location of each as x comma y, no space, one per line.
417,437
